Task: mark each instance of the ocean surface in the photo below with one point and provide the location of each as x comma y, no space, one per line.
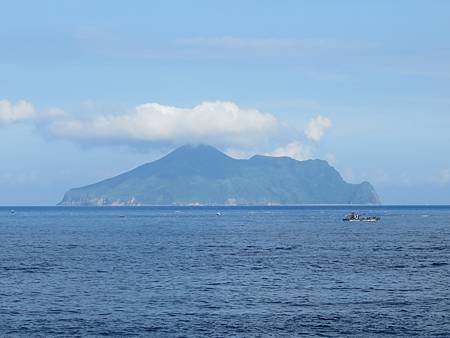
248,272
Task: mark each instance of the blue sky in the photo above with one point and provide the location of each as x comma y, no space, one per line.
89,89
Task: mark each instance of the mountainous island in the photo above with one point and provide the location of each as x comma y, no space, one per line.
202,175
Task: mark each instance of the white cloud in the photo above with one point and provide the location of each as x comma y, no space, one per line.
221,123
295,150
216,121
10,113
317,127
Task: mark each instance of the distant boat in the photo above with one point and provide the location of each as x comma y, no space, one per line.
12,211
355,217
218,214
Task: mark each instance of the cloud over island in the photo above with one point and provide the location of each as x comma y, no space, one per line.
222,123
219,121
316,128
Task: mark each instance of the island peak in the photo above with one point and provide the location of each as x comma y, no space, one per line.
202,175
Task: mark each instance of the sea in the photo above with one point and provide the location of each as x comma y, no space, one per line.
224,272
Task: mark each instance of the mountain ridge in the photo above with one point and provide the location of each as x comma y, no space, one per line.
203,175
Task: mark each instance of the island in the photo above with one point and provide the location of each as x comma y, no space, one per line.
203,175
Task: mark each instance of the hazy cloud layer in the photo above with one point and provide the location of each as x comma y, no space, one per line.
262,43
444,177
10,112
317,127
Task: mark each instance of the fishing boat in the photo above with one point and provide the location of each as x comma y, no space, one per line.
355,217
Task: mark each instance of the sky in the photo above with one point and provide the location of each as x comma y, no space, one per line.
90,89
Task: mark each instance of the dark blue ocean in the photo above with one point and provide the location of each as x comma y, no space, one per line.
250,272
